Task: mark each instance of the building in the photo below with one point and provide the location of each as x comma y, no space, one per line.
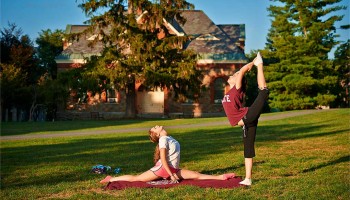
221,50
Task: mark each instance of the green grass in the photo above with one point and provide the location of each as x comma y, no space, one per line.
28,128
19,128
304,157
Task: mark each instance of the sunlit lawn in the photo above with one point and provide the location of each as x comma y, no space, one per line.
305,157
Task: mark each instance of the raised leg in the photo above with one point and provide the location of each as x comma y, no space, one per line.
258,62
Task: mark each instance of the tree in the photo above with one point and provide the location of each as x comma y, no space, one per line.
342,66
299,74
139,47
26,81
49,46
18,49
19,69
12,79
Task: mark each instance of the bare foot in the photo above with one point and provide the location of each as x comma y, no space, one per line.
229,176
106,180
258,60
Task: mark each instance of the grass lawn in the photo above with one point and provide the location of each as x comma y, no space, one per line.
304,157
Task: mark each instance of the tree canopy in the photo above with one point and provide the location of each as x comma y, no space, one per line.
49,46
299,74
139,46
18,67
342,67
26,80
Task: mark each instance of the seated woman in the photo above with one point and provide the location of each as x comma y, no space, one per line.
167,159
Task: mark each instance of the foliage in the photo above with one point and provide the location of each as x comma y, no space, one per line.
139,47
17,49
53,94
342,67
81,80
19,69
252,84
49,46
301,36
12,79
26,77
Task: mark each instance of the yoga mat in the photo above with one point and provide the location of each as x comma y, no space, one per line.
230,183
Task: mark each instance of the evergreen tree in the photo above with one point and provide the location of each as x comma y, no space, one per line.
342,66
139,47
299,74
49,46
52,91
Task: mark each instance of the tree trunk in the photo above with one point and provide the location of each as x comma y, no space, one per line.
130,6
1,110
33,106
304,28
130,111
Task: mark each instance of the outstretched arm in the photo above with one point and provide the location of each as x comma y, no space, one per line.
164,161
240,74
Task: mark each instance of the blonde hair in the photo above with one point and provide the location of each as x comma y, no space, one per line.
155,139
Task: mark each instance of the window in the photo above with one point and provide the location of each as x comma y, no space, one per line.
219,89
112,95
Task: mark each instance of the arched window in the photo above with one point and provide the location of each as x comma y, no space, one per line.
219,89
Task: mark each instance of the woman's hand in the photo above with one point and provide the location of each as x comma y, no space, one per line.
174,178
251,64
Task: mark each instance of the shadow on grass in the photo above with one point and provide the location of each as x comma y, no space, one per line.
334,162
230,169
22,128
62,160
330,163
70,160
294,132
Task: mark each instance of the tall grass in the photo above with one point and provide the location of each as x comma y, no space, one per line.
305,157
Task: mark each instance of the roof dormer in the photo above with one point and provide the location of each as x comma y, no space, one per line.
207,37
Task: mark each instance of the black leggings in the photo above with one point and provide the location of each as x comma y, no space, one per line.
251,122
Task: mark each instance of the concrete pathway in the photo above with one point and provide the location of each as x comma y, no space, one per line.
277,116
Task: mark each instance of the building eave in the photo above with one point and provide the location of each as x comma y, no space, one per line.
74,58
211,61
222,58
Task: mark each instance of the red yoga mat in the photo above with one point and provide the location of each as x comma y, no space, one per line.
230,183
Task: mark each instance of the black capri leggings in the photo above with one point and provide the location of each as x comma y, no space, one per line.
251,122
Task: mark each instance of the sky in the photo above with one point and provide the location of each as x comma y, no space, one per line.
33,16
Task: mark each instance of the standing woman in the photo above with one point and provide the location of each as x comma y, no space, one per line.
167,160
246,117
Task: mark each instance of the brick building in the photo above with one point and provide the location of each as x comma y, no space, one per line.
221,52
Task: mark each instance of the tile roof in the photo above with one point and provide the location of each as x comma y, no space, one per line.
223,37
213,42
82,48
75,28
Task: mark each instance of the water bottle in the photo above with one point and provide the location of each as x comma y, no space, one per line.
117,170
